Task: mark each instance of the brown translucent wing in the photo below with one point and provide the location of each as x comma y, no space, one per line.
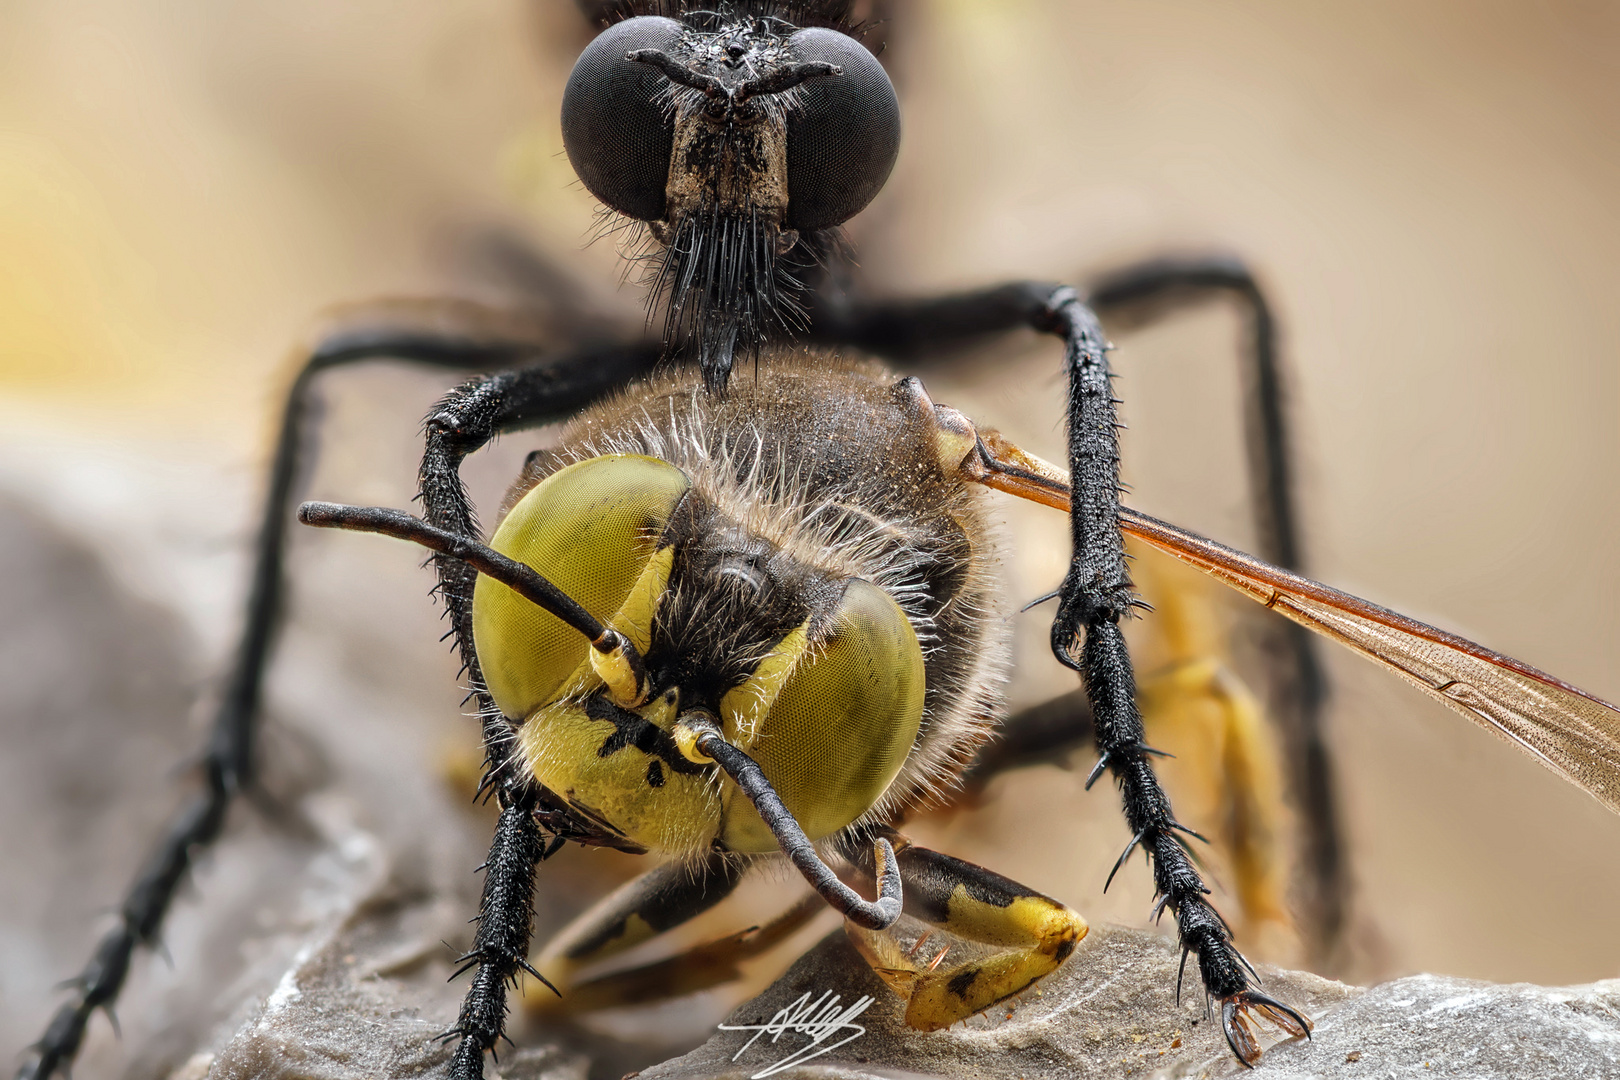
1571,732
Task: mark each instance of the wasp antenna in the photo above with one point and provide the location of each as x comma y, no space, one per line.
750,779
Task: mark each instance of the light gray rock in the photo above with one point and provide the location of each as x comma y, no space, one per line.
357,1008
1110,1011
1432,1025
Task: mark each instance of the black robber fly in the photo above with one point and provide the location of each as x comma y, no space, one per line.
740,136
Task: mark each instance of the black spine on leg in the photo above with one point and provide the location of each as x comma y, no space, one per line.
501,946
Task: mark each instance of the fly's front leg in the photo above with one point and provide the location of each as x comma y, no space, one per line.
501,945
1095,596
1299,684
466,419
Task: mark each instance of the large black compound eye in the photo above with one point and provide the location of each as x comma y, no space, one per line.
617,132
843,138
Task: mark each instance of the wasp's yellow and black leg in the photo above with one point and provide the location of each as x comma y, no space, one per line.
1225,765
657,901
1202,714
454,336
1094,597
1035,933
639,910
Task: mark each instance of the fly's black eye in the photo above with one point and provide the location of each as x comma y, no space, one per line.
843,137
614,126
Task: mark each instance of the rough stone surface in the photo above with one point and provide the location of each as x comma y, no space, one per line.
349,1011
1110,1012
1431,1025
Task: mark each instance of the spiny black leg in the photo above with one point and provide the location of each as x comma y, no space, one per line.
1149,291
1096,594
462,422
916,330
500,948
455,338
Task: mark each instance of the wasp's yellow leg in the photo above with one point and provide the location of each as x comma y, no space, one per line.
1038,934
1226,777
638,910
710,964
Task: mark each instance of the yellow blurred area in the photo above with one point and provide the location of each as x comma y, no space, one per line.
1430,192
182,190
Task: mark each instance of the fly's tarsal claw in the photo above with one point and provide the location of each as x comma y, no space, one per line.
1237,1025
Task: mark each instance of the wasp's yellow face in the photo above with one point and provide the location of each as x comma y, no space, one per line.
819,679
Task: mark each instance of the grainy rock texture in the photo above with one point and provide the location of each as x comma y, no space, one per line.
1110,1012
1431,1025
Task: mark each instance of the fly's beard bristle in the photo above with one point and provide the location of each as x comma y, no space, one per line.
725,289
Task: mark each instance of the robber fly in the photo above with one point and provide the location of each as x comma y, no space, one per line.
727,618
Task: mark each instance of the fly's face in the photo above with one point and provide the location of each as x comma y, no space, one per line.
738,141
816,675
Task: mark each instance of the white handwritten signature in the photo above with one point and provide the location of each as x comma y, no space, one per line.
820,1019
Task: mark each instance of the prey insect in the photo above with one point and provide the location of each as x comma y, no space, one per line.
743,137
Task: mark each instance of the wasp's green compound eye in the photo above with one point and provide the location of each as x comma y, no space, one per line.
591,529
836,735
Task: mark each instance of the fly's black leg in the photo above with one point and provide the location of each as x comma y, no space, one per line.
441,335
1086,636
500,949
467,418
462,422
1096,593
1299,683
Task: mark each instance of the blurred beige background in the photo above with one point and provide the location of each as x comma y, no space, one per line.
1429,192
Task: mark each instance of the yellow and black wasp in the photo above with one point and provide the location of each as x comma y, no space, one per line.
728,617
